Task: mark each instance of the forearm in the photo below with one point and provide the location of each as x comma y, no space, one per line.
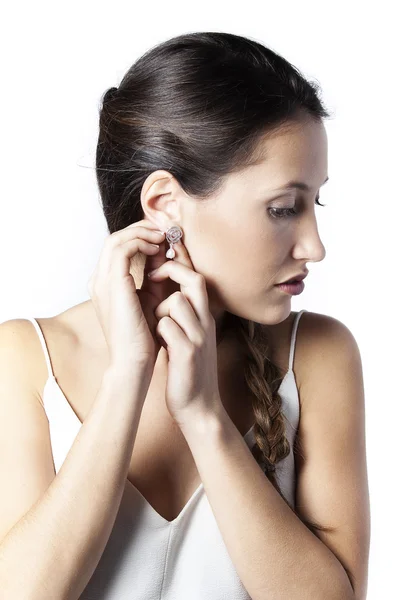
274,553
54,549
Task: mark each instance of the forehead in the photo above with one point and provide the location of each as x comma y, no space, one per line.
298,152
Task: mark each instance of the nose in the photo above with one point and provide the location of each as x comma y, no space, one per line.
309,246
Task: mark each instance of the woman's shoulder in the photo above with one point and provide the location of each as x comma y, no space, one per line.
316,333
317,328
319,337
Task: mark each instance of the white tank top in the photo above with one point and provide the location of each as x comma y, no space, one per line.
147,557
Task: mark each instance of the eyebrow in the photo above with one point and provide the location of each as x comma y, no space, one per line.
300,185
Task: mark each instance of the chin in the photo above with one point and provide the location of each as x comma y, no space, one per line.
274,316
269,314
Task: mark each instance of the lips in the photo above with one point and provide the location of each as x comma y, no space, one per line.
295,278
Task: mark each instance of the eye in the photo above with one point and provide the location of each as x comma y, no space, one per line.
279,213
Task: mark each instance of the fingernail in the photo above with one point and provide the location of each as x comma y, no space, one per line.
151,273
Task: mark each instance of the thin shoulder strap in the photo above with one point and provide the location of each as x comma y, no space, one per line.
44,346
293,339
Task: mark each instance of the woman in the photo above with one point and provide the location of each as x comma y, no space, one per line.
195,455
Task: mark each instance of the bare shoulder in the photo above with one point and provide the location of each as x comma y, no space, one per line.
320,338
19,338
20,363
17,342
320,325
22,339
318,332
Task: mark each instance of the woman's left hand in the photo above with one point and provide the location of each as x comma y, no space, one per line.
188,330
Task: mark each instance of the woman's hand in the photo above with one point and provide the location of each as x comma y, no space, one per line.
128,326
187,330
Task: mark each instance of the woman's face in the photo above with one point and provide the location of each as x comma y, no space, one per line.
235,240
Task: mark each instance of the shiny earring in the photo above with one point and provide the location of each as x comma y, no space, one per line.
173,235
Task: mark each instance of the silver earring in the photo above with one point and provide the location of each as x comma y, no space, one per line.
173,235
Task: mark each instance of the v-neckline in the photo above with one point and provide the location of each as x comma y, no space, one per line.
133,487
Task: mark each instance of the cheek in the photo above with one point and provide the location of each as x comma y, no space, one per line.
222,261
239,257
261,260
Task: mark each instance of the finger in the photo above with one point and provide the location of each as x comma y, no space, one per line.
171,335
136,231
119,260
178,308
193,286
181,254
155,261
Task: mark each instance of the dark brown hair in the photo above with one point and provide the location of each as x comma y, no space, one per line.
198,105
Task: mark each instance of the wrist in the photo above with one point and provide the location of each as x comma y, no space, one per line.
125,366
128,375
204,425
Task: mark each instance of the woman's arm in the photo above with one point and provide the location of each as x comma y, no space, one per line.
54,549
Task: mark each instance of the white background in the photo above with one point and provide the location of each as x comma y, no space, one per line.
57,61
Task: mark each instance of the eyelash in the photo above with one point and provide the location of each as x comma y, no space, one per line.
281,213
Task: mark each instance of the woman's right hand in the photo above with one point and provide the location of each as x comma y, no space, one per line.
129,329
